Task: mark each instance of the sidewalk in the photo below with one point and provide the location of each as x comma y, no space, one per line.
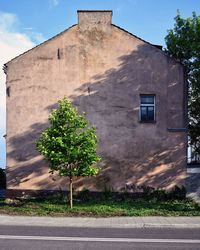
111,222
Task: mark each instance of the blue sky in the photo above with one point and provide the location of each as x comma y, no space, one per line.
26,23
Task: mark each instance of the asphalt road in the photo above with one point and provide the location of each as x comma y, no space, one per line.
53,238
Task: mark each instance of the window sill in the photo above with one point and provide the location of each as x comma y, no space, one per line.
147,122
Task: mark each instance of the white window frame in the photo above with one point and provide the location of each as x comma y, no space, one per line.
148,105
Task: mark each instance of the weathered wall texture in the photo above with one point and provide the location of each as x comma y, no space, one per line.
103,70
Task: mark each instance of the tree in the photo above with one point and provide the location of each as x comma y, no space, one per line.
69,143
183,43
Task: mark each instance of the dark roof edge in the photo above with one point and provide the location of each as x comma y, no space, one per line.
153,45
94,11
59,34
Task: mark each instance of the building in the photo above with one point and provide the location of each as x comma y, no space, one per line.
130,90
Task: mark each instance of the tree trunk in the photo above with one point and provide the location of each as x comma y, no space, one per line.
71,197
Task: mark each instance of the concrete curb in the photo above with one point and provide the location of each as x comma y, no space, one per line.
111,222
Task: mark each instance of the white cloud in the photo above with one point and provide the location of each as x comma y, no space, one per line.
36,37
12,43
28,28
53,3
8,21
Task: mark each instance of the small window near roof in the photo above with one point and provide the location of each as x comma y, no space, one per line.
147,108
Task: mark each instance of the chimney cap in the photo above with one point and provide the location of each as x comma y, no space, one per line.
95,11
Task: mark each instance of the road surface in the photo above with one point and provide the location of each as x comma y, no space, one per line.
57,238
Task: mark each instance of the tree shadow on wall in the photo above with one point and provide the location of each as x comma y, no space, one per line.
132,153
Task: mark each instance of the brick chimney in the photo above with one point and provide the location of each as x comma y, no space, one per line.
88,19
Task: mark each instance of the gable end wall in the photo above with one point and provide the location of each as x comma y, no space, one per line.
103,71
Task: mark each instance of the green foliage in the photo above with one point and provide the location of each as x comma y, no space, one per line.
101,207
69,144
183,43
176,193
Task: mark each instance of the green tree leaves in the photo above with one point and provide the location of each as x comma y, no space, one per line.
183,43
69,143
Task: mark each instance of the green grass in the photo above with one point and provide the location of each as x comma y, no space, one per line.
101,208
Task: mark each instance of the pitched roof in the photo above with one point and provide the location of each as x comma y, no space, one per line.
155,46
59,34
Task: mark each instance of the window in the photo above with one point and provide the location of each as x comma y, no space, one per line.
147,108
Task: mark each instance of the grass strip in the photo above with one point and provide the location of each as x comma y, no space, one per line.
100,208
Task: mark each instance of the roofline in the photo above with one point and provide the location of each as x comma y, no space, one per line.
153,45
59,34
95,11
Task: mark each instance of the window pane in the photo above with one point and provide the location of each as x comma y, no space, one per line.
147,99
144,115
150,113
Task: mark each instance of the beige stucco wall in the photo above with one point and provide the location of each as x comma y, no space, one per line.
103,70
